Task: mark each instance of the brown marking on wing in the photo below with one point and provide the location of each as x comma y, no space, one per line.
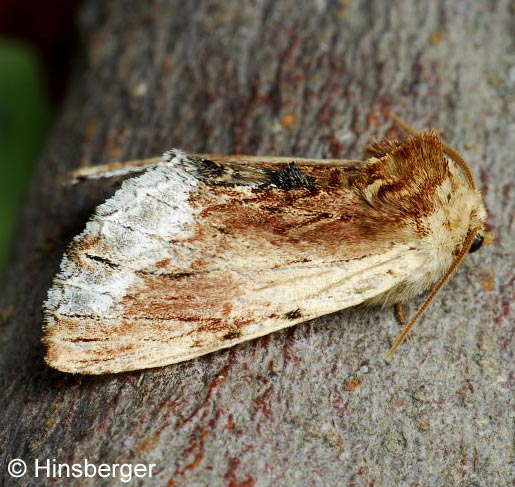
294,314
299,222
231,335
352,204
87,244
193,298
163,263
61,342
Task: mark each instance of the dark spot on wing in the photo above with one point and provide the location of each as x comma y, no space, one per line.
168,275
231,335
293,315
228,174
102,260
210,169
290,177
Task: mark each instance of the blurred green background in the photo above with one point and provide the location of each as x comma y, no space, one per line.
36,46
25,116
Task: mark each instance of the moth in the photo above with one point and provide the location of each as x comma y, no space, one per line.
200,252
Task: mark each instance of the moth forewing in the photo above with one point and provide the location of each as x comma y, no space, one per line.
136,166
114,169
202,252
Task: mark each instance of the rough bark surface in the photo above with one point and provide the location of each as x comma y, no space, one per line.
315,405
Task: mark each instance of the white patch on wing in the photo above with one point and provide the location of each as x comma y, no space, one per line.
134,226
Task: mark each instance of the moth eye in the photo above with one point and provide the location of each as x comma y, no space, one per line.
476,243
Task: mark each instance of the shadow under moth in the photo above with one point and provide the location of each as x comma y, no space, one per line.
200,252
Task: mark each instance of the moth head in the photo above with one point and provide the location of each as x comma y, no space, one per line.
477,221
477,235
474,239
477,242
477,227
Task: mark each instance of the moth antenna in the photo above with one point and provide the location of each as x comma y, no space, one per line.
457,261
448,150
403,125
459,160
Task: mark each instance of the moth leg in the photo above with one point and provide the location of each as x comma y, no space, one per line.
112,169
400,315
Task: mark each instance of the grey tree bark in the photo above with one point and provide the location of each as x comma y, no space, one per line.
315,405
